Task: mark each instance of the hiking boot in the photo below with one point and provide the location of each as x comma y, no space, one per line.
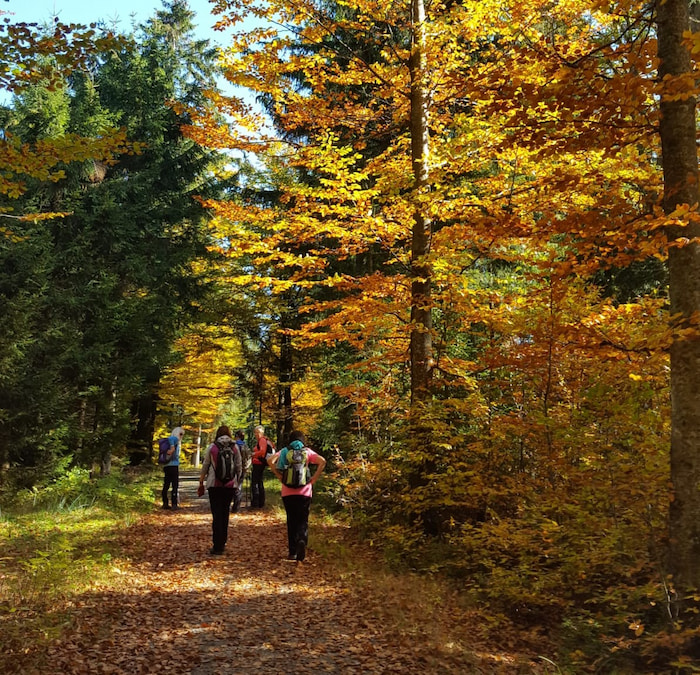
166,506
301,550
216,551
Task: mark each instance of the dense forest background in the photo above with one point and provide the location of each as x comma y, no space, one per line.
441,242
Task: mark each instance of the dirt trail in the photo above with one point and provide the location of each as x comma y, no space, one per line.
172,607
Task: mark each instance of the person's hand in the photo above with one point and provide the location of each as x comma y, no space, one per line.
200,490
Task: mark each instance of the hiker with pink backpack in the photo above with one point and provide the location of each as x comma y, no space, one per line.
222,470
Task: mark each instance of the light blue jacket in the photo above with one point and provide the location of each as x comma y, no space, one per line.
175,457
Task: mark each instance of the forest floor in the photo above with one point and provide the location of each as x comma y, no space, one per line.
168,606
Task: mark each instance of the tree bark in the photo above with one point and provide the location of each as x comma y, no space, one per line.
143,414
680,169
285,412
421,320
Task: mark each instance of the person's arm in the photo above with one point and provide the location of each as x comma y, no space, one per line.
245,457
205,470
256,451
320,463
272,463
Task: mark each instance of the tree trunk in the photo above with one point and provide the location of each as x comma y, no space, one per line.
421,321
143,413
106,462
108,439
260,388
421,462
680,169
285,419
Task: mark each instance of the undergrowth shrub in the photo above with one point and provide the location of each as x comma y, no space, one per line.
536,475
57,538
75,489
567,543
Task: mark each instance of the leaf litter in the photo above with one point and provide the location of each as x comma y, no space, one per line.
171,607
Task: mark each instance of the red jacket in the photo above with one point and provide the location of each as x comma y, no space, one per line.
260,451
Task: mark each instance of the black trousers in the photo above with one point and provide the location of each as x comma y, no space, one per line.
297,508
257,487
220,503
171,476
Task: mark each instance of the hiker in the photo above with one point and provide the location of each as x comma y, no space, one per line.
260,453
245,465
291,466
222,471
171,470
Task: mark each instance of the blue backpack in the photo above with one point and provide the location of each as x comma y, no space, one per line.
163,448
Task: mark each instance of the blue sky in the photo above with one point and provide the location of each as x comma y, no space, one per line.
123,12
89,11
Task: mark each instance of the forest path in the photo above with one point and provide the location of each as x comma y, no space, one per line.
171,607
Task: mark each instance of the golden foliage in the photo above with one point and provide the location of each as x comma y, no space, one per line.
551,401
202,381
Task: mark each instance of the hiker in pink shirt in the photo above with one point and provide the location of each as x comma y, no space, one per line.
291,466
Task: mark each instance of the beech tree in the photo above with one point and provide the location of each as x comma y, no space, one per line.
421,309
311,49
678,131
360,82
